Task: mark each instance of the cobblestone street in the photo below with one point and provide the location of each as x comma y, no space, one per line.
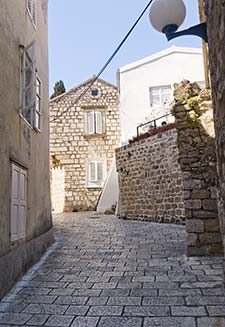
105,272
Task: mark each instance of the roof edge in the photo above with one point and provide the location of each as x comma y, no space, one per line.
158,55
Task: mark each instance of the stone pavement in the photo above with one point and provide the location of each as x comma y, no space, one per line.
105,272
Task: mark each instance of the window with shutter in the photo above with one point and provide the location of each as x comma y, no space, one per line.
96,172
94,121
18,203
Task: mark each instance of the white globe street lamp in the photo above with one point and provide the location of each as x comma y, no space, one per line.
167,16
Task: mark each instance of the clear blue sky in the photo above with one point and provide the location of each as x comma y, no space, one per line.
83,35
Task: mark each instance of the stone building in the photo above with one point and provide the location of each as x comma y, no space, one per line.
25,209
84,132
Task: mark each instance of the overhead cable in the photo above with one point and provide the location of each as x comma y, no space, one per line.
105,65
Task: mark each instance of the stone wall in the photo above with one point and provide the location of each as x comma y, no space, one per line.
216,38
196,142
150,180
71,147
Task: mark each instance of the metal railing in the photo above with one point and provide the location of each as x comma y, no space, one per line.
153,123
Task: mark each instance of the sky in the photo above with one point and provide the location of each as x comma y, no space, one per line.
84,34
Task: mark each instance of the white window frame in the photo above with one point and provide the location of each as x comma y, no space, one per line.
159,88
38,100
95,183
30,112
31,6
92,127
18,203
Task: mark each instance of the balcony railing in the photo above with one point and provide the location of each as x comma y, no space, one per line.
155,123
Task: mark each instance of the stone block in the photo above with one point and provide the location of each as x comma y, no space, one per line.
193,204
200,194
210,204
211,225
192,239
194,226
210,238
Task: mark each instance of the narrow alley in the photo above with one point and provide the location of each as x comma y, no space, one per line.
106,272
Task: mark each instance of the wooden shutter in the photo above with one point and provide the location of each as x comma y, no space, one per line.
98,122
15,202
22,207
91,122
92,171
100,171
18,203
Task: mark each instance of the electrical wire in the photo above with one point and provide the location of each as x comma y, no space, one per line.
106,64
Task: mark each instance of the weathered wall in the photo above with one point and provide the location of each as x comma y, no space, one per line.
216,37
150,180
71,147
196,142
19,142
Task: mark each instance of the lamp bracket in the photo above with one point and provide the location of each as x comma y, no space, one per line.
198,30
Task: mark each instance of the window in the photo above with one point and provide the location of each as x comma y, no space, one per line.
160,96
96,172
94,92
31,8
95,122
18,202
31,89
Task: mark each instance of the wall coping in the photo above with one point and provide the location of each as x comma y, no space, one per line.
152,132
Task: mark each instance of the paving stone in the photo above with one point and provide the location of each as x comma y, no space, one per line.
45,309
163,300
78,310
116,292
211,322
86,292
85,322
202,285
14,307
120,322
100,300
104,286
146,311
129,285
216,310
195,311
205,300
76,300
61,321
105,311
42,299
144,292
14,318
38,320
169,322
128,300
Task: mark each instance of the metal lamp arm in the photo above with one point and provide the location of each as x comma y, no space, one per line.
198,30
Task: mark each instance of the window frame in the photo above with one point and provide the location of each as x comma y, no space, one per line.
94,183
29,114
38,112
159,88
96,131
